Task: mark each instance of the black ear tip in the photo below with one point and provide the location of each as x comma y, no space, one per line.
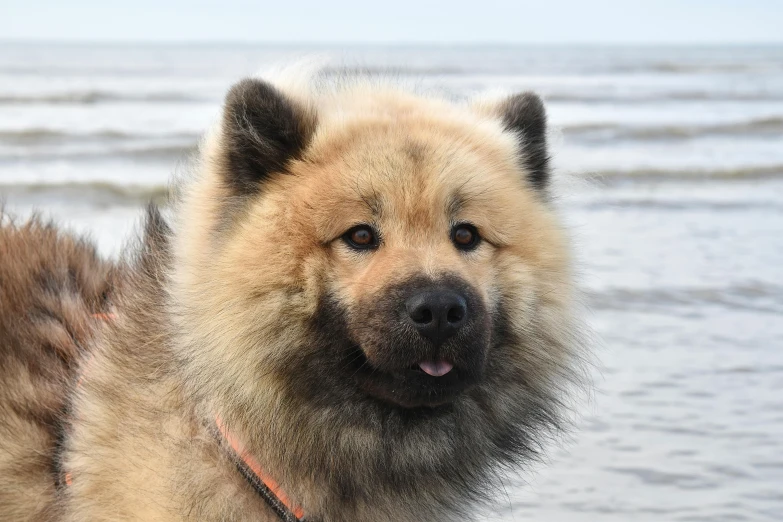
235,92
525,115
254,100
525,112
529,100
248,90
263,130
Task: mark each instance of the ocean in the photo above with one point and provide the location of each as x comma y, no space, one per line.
669,163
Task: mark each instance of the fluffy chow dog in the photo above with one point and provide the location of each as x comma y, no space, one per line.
361,309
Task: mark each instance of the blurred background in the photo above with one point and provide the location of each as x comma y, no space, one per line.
667,127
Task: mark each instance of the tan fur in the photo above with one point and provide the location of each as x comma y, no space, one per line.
212,313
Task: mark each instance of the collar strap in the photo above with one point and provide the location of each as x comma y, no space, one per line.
264,485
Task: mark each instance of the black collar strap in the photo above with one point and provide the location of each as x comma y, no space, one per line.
263,484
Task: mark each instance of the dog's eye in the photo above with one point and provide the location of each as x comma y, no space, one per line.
465,236
361,237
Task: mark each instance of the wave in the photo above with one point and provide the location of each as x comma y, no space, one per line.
98,192
699,68
601,132
152,152
662,97
684,205
94,97
609,176
40,136
673,67
757,297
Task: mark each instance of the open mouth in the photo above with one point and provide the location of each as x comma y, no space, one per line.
436,368
429,383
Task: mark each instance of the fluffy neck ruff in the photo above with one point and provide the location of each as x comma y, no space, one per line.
344,455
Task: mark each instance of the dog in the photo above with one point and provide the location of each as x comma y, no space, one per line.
361,307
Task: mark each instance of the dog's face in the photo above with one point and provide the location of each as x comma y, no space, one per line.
408,246
376,246
418,225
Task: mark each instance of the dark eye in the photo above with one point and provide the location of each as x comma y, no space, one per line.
465,236
361,237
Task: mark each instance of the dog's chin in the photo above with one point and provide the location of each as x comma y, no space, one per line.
411,386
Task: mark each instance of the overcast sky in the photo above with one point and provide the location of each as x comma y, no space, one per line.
396,21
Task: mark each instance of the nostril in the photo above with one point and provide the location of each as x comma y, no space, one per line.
455,314
436,313
422,315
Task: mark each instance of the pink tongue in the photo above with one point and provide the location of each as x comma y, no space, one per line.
436,368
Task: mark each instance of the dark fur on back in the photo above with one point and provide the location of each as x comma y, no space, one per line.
50,285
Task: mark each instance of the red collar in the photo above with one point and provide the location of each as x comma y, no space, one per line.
266,487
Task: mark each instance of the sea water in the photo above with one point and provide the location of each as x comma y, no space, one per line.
669,167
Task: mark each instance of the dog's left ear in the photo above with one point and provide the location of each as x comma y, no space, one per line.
525,116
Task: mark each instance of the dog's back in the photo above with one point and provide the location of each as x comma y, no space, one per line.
53,287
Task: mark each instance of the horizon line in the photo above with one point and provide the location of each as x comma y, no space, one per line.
432,43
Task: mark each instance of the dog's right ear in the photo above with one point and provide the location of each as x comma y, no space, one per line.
262,131
524,115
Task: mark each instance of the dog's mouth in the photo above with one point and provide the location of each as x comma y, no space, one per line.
428,383
436,368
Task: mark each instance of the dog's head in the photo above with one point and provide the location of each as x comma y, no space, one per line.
370,252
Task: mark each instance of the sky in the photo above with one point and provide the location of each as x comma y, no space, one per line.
396,21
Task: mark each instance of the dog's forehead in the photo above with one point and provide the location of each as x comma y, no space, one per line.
411,162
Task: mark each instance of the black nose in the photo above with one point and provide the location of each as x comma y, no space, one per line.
437,314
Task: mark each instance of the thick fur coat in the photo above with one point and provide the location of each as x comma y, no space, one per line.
276,302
